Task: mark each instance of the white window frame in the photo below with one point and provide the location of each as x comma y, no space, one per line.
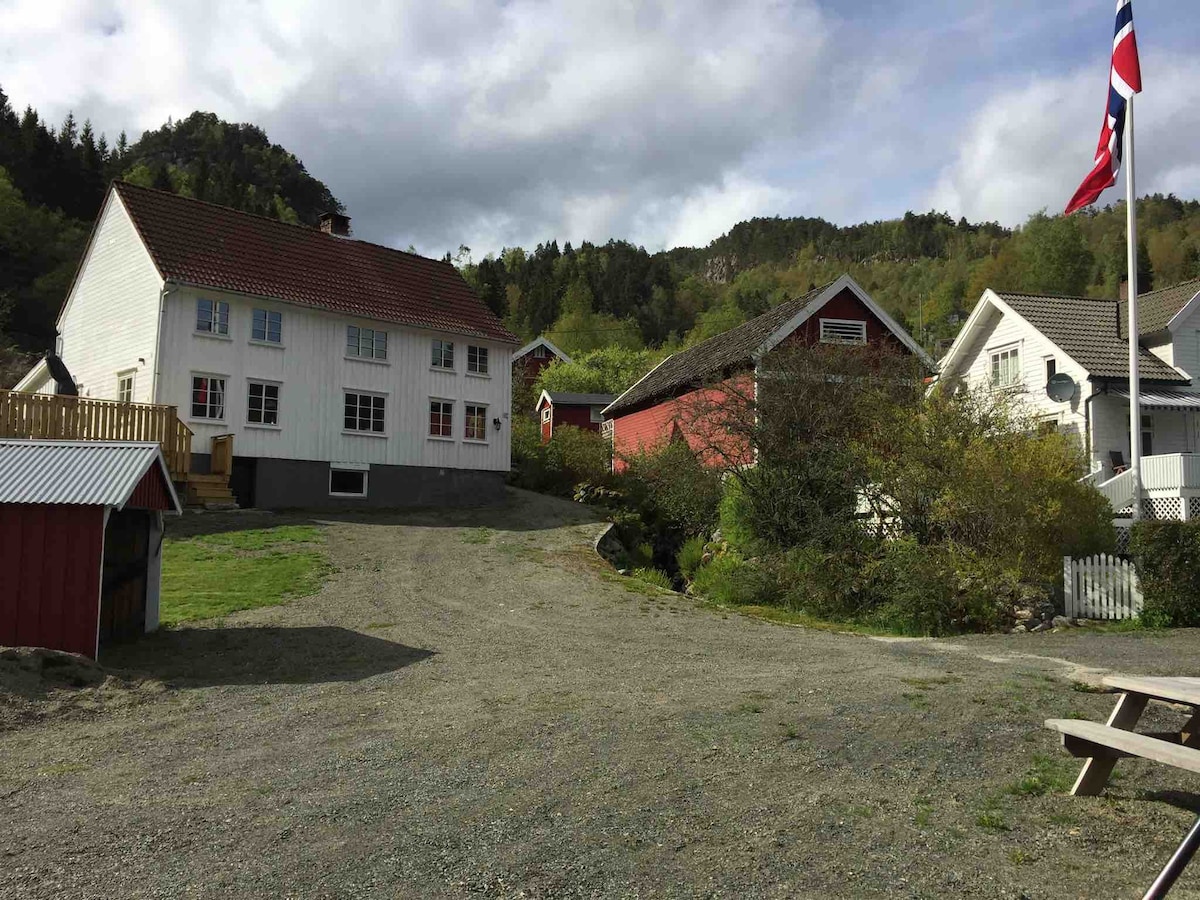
364,468
267,315
251,383
469,405
441,352
540,351
441,435
129,375
369,344
359,393
547,413
481,355
216,323
224,379
996,357
829,331
1047,362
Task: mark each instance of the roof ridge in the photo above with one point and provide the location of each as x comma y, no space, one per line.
1044,296
307,229
1171,287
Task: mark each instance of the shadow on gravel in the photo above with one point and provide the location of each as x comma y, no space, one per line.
520,511
1179,799
199,657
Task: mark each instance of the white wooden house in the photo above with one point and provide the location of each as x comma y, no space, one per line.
1016,342
345,371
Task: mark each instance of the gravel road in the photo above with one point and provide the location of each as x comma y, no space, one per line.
475,706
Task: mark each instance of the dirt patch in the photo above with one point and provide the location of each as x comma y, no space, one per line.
47,685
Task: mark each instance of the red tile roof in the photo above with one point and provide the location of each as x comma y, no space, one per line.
200,243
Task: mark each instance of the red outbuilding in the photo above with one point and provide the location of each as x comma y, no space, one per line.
81,528
529,361
681,398
558,408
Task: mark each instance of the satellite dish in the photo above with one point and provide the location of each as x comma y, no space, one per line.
1061,387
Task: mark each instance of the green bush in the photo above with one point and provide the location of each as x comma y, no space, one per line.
656,577
838,585
940,589
571,456
730,580
1167,556
690,555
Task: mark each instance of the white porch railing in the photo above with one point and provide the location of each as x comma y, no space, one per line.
1101,587
1119,490
1171,472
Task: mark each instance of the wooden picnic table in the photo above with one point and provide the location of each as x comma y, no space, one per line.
1103,745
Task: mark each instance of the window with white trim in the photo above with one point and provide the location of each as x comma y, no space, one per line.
540,352
347,480
1006,366
443,355
266,325
1051,367
597,415
547,413
125,386
477,360
441,418
366,343
212,316
475,422
208,397
262,403
364,413
843,331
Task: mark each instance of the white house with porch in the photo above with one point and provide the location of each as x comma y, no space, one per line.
1018,342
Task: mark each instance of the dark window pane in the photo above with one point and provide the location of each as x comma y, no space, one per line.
343,481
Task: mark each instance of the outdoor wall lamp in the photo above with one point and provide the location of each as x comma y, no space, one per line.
496,422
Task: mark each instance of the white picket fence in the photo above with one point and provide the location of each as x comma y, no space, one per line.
1101,587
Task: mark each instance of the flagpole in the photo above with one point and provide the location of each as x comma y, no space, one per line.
1135,409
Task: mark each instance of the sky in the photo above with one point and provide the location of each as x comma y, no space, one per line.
508,124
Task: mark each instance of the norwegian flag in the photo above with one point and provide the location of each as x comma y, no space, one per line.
1125,80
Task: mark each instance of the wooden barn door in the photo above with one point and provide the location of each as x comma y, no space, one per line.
126,557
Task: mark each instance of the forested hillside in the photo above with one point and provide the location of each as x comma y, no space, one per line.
53,179
927,269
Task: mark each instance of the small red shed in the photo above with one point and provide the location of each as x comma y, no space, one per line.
81,528
558,408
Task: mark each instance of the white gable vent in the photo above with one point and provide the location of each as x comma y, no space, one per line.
843,331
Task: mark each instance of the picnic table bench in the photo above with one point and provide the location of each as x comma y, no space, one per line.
1103,745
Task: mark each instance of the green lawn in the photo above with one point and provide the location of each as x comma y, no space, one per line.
217,574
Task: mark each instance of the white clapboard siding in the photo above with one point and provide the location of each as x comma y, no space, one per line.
1101,587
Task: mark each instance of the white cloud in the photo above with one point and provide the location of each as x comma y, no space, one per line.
1030,147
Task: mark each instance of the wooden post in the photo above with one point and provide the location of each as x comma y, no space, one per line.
1097,769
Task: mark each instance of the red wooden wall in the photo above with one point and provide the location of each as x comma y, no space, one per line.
50,564
579,416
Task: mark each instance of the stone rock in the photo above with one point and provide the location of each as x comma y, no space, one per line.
1018,629
1041,626
1060,622
1023,615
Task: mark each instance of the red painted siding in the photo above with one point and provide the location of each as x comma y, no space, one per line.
846,306
579,416
50,559
690,416
151,492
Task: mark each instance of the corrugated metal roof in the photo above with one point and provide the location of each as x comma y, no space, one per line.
83,473
1162,399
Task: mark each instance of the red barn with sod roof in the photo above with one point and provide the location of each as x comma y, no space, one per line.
663,405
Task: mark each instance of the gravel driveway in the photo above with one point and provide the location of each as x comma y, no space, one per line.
474,706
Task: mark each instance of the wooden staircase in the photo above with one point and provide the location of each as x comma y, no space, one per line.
212,491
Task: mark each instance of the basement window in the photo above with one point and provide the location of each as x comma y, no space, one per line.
843,331
347,480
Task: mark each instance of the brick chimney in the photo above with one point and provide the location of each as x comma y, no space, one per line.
336,224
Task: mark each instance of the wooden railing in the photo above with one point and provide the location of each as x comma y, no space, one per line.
84,419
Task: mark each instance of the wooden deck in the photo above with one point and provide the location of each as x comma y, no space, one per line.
52,416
